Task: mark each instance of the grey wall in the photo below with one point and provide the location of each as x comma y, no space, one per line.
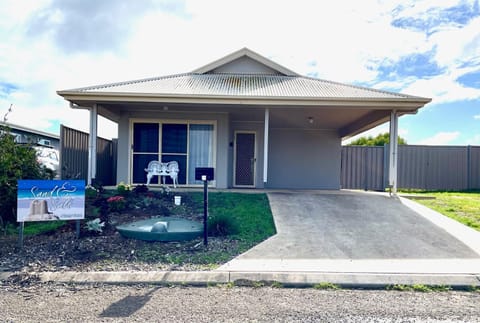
304,159
245,65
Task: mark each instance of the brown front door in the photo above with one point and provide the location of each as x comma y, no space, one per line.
244,159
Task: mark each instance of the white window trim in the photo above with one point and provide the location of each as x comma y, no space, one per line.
132,121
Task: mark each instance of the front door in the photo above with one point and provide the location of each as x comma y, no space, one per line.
245,159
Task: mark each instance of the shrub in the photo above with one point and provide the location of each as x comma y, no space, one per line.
140,189
123,189
222,225
16,162
116,203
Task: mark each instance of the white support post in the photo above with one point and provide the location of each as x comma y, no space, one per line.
393,156
92,145
265,145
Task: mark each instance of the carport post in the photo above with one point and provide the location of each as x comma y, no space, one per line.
393,156
92,145
265,146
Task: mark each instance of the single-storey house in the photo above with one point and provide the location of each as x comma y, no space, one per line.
257,123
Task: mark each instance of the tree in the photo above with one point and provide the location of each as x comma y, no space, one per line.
380,140
16,162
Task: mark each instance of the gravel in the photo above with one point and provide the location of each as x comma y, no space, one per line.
50,302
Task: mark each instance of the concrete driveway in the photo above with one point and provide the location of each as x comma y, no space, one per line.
356,231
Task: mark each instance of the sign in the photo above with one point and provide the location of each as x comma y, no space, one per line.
50,200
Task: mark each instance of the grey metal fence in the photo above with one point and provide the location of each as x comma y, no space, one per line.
74,156
419,167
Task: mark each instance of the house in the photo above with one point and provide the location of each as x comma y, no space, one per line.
45,144
25,135
258,124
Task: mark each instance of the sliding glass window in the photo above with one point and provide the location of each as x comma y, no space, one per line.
190,144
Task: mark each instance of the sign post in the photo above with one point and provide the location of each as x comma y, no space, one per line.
204,174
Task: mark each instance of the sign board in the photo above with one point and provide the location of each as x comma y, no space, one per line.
49,200
204,171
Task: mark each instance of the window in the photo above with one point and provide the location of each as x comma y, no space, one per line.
191,144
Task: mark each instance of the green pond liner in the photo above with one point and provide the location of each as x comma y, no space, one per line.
162,229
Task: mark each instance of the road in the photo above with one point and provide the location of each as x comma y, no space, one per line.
142,303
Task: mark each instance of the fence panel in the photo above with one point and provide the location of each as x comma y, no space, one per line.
74,156
362,168
474,167
419,167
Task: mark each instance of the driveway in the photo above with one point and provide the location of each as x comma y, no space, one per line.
318,230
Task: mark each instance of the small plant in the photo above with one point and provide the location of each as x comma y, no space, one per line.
222,225
419,288
258,284
116,203
123,189
474,289
90,192
276,284
325,285
95,225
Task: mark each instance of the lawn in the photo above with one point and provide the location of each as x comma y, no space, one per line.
463,207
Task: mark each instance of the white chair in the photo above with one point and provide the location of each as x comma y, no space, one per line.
156,168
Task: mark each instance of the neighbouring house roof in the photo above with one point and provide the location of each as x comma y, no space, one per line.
17,127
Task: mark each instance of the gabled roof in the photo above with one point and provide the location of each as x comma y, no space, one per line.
243,77
245,53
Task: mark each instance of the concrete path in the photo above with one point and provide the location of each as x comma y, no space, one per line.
358,232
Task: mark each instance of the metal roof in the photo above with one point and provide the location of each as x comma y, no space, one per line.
243,85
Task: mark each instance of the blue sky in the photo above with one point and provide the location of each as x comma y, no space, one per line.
426,48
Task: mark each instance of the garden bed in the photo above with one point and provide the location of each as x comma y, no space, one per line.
61,250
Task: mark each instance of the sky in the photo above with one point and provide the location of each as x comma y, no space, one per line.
425,48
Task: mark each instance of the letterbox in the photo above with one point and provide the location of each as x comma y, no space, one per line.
204,171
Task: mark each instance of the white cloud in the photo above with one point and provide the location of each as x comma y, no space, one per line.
342,41
476,117
440,138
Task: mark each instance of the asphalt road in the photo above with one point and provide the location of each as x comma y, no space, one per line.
108,303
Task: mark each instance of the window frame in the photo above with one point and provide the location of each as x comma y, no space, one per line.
159,154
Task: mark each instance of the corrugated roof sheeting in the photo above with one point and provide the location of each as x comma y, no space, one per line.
243,86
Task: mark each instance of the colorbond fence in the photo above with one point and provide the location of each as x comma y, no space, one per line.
419,167
74,156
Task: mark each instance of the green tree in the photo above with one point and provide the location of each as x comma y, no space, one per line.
16,162
380,140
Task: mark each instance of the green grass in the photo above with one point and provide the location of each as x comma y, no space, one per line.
252,216
463,207
33,228
327,286
420,288
251,213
